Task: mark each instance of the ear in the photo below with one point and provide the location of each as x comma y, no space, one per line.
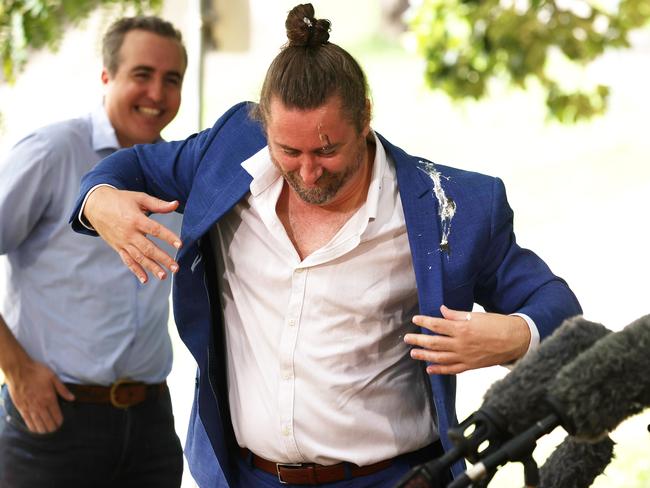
105,76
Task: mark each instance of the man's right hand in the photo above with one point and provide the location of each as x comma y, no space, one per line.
34,393
121,218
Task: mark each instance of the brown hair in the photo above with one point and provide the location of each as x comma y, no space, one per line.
310,69
114,37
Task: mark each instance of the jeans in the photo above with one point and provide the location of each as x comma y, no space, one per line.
97,446
248,476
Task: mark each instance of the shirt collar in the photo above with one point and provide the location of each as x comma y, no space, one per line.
264,174
104,136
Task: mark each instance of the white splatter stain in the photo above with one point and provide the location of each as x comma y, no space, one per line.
446,205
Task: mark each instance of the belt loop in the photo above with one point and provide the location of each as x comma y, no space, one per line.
347,470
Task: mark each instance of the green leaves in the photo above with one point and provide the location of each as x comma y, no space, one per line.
33,24
468,43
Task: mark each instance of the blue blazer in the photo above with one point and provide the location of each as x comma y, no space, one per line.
483,263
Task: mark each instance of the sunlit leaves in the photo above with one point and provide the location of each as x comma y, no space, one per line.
468,43
33,24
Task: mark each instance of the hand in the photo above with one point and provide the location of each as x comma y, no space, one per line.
34,393
121,219
467,340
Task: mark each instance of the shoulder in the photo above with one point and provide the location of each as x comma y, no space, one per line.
450,176
56,139
239,119
236,133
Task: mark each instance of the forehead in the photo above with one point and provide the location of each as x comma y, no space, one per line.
289,125
144,48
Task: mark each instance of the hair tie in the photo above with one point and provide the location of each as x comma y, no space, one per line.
307,21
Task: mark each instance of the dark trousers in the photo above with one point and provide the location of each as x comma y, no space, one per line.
97,446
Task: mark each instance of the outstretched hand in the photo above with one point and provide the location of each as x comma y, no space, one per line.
468,340
121,218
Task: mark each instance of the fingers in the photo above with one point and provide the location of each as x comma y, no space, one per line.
140,254
133,266
156,205
151,227
442,348
458,315
63,391
45,420
42,416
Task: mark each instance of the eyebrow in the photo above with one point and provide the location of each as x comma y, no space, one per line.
320,148
149,69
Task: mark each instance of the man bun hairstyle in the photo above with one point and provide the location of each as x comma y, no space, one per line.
309,70
306,31
114,37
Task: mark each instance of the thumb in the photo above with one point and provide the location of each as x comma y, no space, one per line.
451,314
156,205
62,390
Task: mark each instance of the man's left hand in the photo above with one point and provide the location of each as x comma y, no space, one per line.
468,340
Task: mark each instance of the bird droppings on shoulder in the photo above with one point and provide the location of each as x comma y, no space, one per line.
446,205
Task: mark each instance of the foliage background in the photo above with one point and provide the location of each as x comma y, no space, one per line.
579,191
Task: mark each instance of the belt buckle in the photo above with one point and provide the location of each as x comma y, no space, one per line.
285,465
113,393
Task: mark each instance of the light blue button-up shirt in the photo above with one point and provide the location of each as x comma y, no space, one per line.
70,301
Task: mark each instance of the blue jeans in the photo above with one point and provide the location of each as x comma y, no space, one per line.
248,476
97,446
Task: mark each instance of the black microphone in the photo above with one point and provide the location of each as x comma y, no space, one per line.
605,384
590,396
576,464
518,397
512,403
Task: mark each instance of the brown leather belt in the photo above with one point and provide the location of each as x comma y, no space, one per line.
310,473
121,394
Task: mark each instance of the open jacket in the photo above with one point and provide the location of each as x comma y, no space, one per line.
479,262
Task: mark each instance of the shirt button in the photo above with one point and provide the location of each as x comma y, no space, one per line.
291,322
299,270
286,430
286,375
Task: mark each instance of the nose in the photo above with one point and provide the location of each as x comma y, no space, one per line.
156,90
310,170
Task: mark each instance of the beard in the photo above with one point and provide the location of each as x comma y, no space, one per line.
329,183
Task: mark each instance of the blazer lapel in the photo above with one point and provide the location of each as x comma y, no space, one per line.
422,225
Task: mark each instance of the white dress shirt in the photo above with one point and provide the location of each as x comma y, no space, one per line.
317,367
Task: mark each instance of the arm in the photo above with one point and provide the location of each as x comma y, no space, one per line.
26,193
510,280
165,171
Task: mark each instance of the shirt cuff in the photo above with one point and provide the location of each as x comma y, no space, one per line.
81,218
534,338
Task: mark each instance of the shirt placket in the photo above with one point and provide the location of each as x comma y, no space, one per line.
288,341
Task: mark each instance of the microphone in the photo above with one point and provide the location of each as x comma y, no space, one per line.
512,403
590,396
515,402
605,384
576,464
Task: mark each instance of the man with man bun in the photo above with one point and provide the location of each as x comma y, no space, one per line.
84,346
322,272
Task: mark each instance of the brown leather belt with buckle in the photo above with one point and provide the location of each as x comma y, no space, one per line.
121,394
310,473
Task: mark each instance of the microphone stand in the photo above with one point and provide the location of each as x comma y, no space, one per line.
520,448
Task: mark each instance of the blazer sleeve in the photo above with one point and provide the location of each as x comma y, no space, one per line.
165,170
514,279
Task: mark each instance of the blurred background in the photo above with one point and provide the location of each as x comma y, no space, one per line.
579,184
